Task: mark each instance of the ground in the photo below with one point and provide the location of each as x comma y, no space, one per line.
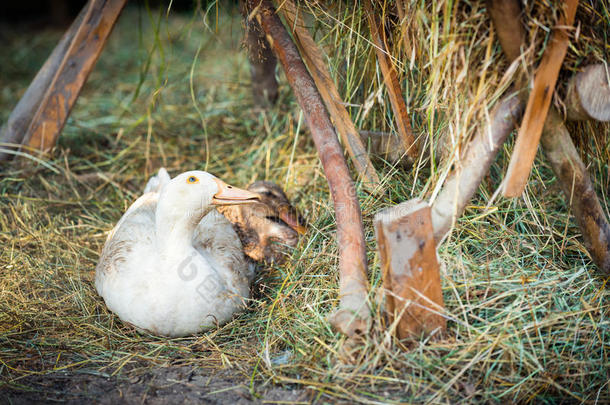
527,310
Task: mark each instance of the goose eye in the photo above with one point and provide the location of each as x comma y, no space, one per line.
192,180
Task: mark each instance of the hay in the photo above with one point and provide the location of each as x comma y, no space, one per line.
529,320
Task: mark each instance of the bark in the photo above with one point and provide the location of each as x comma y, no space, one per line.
318,70
71,74
589,94
353,315
475,162
538,104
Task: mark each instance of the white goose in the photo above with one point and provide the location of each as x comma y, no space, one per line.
173,265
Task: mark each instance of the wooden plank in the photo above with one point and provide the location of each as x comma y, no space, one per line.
312,55
72,73
538,105
410,269
390,78
13,132
353,316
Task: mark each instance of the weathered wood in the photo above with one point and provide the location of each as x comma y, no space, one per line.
262,63
589,94
71,74
14,130
506,17
353,315
390,78
410,269
478,155
312,54
578,189
538,105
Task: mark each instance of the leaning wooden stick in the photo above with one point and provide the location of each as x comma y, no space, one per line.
13,132
577,187
390,77
353,315
71,74
479,154
522,159
312,55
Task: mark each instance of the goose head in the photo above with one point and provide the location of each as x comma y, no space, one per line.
188,197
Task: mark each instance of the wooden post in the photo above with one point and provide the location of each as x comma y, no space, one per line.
353,316
72,72
410,268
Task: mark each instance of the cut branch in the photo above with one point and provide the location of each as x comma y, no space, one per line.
578,189
589,94
390,77
538,105
353,316
72,73
465,179
326,86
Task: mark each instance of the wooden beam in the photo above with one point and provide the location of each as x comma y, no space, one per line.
72,72
312,55
390,78
589,94
353,316
523,155
410,269
14,130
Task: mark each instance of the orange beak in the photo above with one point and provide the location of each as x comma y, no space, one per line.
229,195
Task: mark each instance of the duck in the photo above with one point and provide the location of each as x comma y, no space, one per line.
173,265
267,226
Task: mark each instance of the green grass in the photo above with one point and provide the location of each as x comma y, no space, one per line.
528,313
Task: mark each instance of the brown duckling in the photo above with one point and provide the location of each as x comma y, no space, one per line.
266,227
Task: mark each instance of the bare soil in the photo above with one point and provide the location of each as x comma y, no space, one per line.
166,385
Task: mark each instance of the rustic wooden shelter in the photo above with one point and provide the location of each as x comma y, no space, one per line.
409,233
